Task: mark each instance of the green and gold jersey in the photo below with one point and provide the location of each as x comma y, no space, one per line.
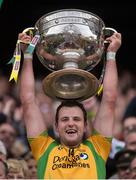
60,162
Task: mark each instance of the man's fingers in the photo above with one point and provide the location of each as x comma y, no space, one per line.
114,36
24,38
118,35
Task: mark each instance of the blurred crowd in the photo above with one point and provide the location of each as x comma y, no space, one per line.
16,160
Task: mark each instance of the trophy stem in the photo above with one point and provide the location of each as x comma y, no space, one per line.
70,65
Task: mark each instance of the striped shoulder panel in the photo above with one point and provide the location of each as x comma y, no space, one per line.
100,163
43,161
95,132
44,133
101,144
39,144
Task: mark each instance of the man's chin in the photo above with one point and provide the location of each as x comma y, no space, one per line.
72,143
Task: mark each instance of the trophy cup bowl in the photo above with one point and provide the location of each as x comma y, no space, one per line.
71,44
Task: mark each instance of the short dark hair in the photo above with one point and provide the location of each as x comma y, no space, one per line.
124,157
71,103
130,110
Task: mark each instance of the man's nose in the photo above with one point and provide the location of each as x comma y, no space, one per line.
71,121
127,171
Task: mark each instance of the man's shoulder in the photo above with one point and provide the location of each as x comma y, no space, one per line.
98,136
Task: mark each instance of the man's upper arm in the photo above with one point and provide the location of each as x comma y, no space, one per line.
34,120
104,120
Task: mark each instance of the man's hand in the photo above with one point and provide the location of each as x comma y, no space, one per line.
25,40
115,42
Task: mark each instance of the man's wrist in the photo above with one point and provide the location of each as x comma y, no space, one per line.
111,55
28,56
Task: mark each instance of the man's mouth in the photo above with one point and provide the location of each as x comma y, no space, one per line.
71,131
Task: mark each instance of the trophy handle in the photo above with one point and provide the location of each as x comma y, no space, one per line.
31,31
107,31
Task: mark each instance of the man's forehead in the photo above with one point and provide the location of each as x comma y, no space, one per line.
7,127
129,120
68,110
134,162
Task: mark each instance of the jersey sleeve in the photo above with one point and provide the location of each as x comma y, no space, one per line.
39,144
101,144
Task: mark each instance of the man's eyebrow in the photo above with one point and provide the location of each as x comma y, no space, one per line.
71,116
77,117
133,142
63,117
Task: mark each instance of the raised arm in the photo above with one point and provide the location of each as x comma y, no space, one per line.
104,120
34,121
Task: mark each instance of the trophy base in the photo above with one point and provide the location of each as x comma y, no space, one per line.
70,83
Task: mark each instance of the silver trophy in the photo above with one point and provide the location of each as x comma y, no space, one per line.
71,44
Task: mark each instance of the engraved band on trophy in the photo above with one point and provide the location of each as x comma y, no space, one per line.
71,44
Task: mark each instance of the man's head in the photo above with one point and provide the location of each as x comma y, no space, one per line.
32,165
129,126
7,135
129,119
123,160
130,141
15,169
70,122
133,168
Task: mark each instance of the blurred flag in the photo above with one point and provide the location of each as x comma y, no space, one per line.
1,1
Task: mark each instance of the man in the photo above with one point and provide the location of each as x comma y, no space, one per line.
123,161
32,165
72,157
129,119
133,168
129,125
17,169
8,137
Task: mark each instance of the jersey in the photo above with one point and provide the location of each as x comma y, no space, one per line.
60,162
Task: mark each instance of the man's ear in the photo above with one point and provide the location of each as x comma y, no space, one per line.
56,131
85,127
87,130
56,127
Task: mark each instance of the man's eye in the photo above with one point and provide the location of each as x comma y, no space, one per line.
76,118
64,119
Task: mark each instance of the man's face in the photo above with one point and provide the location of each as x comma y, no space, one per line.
71,126
133,169
12,174
124,173
7,135
128,125
131,141
129,132
32,168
